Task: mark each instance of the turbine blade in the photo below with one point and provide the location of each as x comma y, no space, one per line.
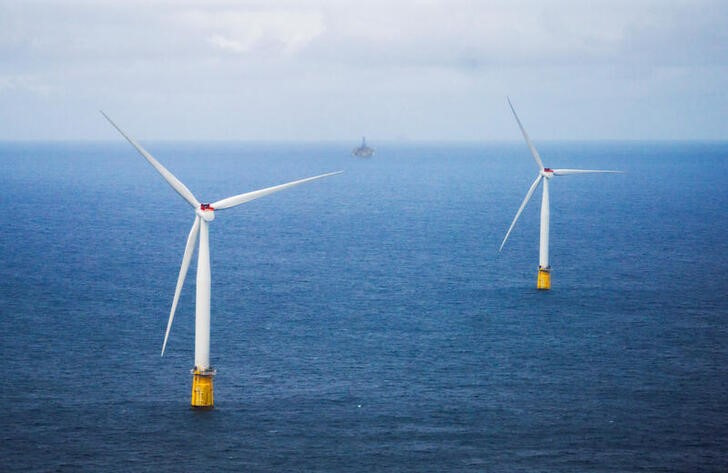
176,184
520,209
248,196
566,172
189,250
534,152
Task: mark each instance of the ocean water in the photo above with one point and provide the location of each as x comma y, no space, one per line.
367,322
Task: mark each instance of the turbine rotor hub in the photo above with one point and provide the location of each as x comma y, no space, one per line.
206,212
547,173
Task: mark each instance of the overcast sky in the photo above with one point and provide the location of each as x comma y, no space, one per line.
322,70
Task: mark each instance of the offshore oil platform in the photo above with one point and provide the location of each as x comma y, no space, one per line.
363,151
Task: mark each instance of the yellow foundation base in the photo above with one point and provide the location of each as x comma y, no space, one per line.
202,392
543,282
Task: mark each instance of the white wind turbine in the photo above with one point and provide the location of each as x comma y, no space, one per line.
545,175
202,389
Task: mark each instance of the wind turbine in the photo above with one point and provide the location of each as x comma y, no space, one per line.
202,373
543,281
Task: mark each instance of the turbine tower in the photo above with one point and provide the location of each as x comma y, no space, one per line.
543,281
202,373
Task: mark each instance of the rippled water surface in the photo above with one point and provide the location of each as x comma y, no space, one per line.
367,322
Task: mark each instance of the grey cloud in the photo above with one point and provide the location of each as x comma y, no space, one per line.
401,65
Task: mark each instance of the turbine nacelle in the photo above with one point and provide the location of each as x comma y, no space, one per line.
548,173
206,212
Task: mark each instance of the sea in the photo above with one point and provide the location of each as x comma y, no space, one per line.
367,322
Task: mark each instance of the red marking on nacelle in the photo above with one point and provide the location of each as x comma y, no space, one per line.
204,207
548,170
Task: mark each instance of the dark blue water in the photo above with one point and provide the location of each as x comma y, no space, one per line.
367,322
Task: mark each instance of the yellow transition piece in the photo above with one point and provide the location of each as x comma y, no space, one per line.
544,279
202,392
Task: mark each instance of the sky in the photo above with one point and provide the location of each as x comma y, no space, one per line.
315,70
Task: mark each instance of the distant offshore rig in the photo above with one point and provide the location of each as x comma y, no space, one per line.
363,151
